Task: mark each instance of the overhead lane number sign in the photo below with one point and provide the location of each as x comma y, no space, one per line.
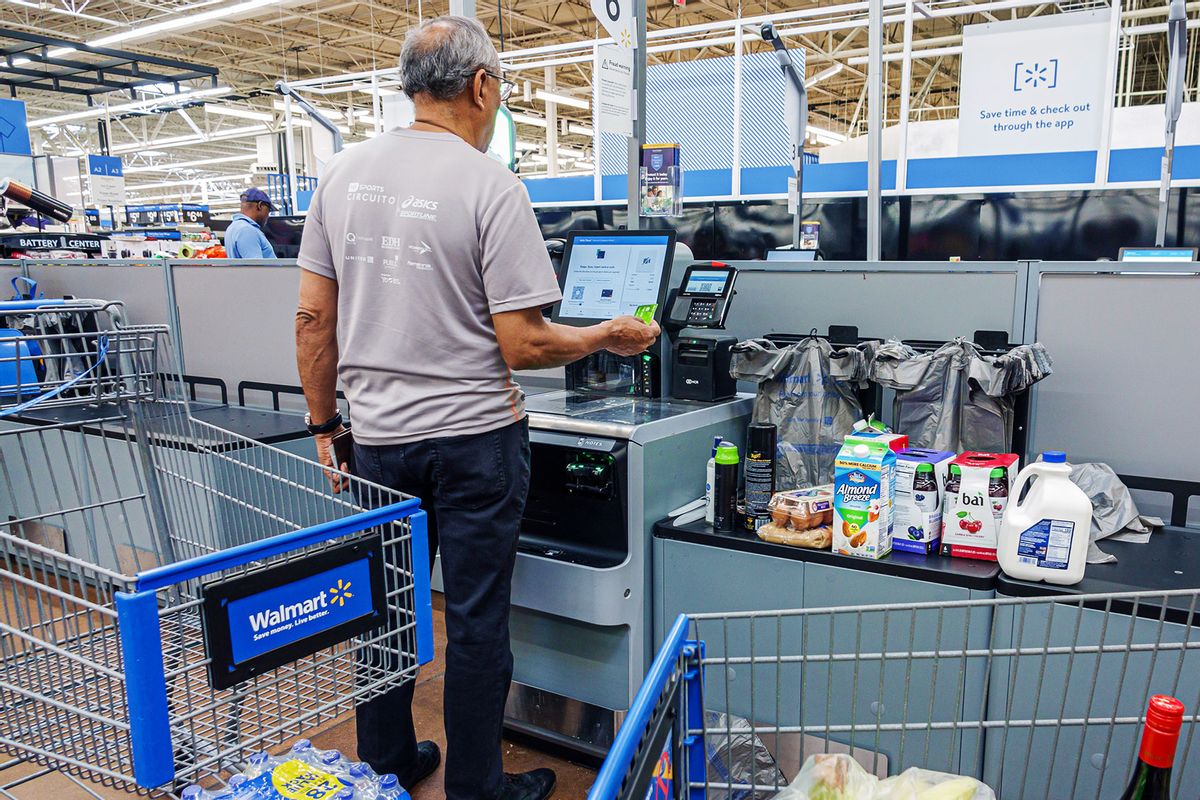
616,17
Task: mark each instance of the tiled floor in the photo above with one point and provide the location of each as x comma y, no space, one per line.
573,780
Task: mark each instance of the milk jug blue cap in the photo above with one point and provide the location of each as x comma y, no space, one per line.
1054,457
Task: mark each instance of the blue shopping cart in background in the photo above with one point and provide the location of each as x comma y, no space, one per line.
1035,697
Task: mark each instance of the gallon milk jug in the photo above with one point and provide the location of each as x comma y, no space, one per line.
1045,537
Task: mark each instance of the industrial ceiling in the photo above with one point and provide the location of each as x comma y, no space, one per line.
254,43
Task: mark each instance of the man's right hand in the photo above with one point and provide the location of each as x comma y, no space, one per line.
628,336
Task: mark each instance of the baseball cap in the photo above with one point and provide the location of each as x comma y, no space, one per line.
255,195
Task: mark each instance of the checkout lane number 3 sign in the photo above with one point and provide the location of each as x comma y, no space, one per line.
617,18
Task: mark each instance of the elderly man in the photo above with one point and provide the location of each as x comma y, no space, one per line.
424,275
244,238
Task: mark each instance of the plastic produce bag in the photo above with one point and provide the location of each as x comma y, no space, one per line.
1114,514
831,777
807,391
739,758
922,784
840,777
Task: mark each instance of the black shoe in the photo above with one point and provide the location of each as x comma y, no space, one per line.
536,784
428,759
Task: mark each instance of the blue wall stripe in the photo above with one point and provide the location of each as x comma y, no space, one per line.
1025,169
707,183
1145,163
1029,169
570,189
616,187
845,177
765,180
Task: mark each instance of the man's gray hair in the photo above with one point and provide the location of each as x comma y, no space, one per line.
440,57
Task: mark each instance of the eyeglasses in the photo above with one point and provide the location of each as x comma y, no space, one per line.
506,86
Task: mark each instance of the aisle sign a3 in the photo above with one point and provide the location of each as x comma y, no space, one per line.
106,180
1034,85
616,17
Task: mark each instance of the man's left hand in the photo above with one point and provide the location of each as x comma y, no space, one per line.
324,442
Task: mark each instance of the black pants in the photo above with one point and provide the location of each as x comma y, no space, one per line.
473,489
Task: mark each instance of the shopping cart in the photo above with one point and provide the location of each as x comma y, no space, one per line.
132,527
1038,698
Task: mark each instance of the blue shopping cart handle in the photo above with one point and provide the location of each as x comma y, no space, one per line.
621,754
171,574
27,305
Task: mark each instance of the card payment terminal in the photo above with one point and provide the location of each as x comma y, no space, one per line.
703,299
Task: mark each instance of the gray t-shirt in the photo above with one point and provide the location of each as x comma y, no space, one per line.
427,238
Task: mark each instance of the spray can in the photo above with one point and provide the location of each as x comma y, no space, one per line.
760,468
725,486
710,500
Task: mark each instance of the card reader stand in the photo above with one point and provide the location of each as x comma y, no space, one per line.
703,299
700,361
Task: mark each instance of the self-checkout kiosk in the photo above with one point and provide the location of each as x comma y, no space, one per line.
612,453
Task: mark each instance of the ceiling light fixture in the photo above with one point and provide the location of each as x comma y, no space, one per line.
142,31
562,99
185,164
529,120
190,182
240,113
826,136
190,139
828,72
184,95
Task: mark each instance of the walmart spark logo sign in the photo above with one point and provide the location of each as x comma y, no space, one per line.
1035,75
341,593
268,618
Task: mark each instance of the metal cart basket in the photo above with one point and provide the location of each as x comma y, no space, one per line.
121,515
1036,697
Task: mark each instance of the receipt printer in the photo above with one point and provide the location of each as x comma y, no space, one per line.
700,368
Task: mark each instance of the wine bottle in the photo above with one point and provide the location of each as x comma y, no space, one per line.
1152,776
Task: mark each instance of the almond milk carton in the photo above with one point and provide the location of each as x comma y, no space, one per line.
864,480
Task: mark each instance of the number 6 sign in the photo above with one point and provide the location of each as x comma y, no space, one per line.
617,18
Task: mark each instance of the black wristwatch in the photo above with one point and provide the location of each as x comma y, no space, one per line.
325,427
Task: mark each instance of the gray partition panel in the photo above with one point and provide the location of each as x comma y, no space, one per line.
1125,383
910,301
238,323
8,271
140,285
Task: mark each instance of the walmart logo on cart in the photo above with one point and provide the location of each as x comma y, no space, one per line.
268,621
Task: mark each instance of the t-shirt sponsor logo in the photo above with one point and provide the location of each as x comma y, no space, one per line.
412,201
369,193
391,242
413,207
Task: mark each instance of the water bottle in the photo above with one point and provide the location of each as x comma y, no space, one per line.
332,761
241,789
196,792
389,788
365,781
259,763
347,793
304,751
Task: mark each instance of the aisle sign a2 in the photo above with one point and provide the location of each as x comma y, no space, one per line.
106,180
616,16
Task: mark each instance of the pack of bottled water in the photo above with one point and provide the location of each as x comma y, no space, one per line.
303,773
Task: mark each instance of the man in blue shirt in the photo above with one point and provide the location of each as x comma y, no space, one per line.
244,237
